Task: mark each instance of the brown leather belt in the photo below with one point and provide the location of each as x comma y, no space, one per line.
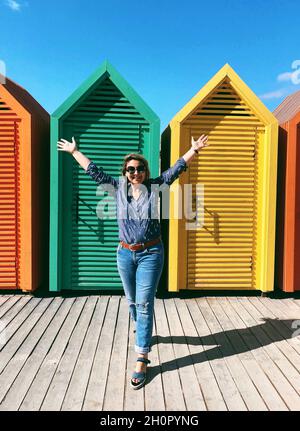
141,246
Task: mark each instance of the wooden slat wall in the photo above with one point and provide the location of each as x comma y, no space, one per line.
9,223
222,253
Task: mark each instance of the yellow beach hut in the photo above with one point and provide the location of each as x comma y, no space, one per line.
232,245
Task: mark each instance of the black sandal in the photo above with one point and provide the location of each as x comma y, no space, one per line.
141,376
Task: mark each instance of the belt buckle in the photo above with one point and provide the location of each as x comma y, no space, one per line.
141,246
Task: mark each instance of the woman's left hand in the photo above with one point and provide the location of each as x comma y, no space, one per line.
200,142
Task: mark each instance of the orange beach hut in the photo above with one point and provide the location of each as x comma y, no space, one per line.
24,189
287,268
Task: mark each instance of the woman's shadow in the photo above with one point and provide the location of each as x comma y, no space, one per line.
226,343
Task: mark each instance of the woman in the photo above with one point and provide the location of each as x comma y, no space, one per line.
140,253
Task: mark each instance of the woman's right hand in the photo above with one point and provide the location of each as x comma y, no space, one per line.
69,147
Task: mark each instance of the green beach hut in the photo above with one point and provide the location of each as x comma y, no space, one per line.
108,120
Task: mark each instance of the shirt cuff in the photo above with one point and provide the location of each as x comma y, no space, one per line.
182,163
89,166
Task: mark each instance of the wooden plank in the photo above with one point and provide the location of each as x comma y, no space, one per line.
77,388
38,389
249,345
280,318
231,394
245,343
9,311
24,379
280,329
30,333
284,389
115,389
174,399
188,311
189,382
296,301
269,339
10,304
58,387
290,307
17,376
94,397
3,299
154,391
260,380
275,311
238,368
17,331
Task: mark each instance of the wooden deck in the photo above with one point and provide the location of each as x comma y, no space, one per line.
209,353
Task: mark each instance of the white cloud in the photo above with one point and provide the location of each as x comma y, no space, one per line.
289,77
274,94
286,76
13,5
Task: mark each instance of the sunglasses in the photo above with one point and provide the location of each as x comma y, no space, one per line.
132,169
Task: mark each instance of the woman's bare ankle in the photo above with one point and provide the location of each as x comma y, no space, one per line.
143,355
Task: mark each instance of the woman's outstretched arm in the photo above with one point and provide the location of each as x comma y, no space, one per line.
171,174
89,166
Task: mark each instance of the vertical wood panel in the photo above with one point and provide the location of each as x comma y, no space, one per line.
9,214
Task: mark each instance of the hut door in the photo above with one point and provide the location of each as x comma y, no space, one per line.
221,252
297,216
8,201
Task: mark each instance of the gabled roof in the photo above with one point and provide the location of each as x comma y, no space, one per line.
106,70
22,97
288,108
239,86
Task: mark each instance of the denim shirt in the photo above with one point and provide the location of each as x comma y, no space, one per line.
138,219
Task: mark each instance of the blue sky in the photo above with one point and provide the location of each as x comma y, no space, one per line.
167,50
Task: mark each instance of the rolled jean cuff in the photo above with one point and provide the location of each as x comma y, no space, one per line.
142,349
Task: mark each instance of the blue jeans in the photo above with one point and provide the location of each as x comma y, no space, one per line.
140,272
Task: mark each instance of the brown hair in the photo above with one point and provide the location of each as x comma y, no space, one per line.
140,159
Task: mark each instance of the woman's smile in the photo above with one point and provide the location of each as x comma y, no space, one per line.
135,172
